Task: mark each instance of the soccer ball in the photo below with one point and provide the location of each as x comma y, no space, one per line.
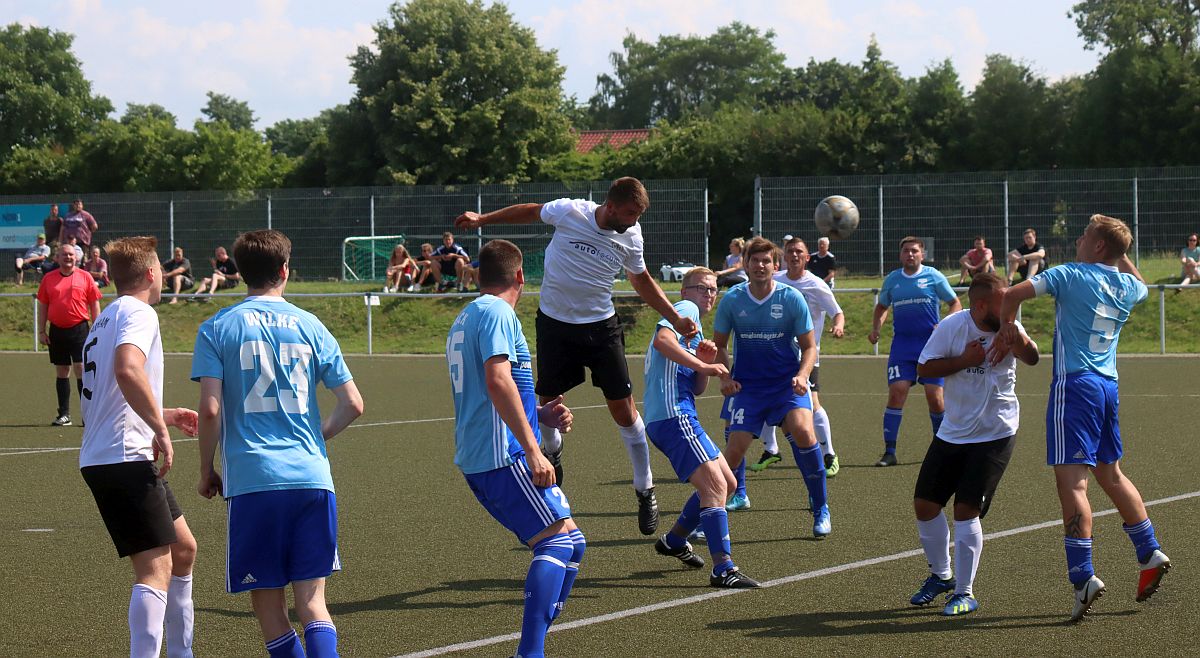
836,217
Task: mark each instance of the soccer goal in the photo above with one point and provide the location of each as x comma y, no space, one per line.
365,257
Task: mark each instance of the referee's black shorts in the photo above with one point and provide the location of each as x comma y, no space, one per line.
968,471
565,349
66,345
138,508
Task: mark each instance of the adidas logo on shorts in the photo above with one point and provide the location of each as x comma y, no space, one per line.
1079,455
249,579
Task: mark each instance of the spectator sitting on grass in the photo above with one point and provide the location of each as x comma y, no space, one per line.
225,274
35,258
97,267
400,270
177,274
452,259
733,273
976,261
470,276
1189,257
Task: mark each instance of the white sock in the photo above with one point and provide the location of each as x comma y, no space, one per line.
147,607
821,428
968,544
179,617
634,437
935,539
770,441
551,440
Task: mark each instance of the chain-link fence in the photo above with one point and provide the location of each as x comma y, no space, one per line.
318,220
949,210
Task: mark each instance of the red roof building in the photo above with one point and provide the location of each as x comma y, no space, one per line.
588,140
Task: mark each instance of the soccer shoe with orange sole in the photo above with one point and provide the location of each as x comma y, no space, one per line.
1151,575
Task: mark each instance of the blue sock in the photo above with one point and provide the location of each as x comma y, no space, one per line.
1142,536
688,519
891,428
739,474
285,646
542,587
1079,559
812,467
578,546
716,531
936,421
320,640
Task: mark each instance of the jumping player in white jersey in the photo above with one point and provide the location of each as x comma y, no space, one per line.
1093,298
125,432
577,324
968,456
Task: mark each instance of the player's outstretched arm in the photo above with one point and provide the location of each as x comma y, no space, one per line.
349,406
556,414
129,369
183,419
1025,349
209,422
1013,298
522,213
666,342
502,391
647,288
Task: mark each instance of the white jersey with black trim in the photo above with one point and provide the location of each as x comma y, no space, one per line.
113,433
582,260
819,297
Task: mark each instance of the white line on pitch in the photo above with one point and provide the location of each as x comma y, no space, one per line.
655,607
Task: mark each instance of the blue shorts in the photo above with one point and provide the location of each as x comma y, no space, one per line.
1082,426
684,442
511,497
752,410
902,361
279,537
727,413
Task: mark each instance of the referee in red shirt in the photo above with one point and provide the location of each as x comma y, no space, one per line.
68,298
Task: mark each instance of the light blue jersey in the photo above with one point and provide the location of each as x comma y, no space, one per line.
1092,301
487,327
669,385
915,301
268,354
765,332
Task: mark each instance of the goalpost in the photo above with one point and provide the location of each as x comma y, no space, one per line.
365,257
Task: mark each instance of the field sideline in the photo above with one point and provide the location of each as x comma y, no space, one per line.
428,573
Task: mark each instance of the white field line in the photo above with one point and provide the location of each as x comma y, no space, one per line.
807,575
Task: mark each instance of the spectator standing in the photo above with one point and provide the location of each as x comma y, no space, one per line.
177,274
452,259
79,224
52,225
225,274
823,264
67,300
1189,257
976,261
36,258
734,272
97,267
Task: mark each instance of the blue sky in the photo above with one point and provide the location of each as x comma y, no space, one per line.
287,58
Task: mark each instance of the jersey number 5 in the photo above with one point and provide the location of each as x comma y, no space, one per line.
1105,326
455,356
296,355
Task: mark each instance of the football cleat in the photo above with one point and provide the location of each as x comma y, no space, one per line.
831,465
1085,595
960,604
888,459
1151,575
733,579
930,589
737,502
61,421
822,526
647,511
684,553
766,460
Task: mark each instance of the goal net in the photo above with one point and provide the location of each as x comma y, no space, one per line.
365,257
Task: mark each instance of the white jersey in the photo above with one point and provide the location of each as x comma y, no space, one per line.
981,401
582,260
113,433
821,301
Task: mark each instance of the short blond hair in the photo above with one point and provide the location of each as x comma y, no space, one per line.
130,258
695,274
1115,234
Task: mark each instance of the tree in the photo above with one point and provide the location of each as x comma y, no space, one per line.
44,99
135,113
678,76
237,114
140,153
223,158
456,92
939,118
292,137
1014,122
1120,24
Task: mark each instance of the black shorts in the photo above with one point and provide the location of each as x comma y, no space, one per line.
138,508
565,349
227,283
185,282
814,379
970,472
66,345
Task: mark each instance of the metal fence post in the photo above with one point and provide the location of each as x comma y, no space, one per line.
269,226
35,323
372,216
707,226
479,229
171,225
1162,319
875,347
1137,247
1006,247
881,272
757,230
370,329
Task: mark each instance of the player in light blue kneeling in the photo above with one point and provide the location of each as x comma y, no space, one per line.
257,363
677,369
1092,301
774,332
915,293
496,439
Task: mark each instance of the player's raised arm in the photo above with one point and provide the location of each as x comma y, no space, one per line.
503,393
349,406
647,288
666,341
521,213
1125,266
129,369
